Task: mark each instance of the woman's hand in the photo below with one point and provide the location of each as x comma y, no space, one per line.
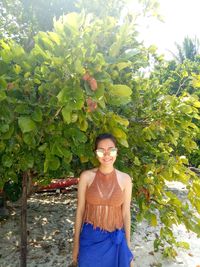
75,254
131,264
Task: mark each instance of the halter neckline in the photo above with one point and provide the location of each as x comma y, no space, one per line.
106,174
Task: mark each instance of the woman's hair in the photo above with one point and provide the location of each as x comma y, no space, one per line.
103,136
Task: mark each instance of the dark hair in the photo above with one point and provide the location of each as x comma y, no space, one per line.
103,136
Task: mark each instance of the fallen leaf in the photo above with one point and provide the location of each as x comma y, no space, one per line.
151,253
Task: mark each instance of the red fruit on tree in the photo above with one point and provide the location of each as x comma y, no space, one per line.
93,83
92,105
86,76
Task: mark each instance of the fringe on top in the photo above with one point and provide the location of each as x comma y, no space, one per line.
104,199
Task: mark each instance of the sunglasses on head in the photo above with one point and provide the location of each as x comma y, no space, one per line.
100,152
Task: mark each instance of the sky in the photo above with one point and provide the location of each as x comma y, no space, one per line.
181,19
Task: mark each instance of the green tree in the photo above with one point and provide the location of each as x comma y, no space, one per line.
177,79
162,133
48,102
21,20
188,50
11,22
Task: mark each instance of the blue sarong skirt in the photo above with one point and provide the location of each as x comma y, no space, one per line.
101,248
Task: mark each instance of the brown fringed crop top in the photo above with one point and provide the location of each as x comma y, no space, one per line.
104,199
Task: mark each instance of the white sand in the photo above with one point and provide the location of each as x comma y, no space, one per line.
142,244
143,238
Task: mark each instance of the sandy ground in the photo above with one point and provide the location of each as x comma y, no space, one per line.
142,244
144,236
50,230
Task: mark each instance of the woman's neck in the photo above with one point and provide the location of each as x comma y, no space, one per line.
106,169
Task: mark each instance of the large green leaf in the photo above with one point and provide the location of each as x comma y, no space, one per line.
2,146
29,139
3,83
79,67
2,96
4,128
76,135
26,124
72,21
183,244
4,67
119,133
37,115
26,161
7,161
38,51
67,112
196,188
43,147
121,120
153,220
43,37
120,90
118,101
72,97
7,135
123,65
6,112
23,109
53,163
114,49
123,142
196,104
185,108
55,37
66,153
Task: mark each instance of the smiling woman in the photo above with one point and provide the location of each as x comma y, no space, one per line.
102,226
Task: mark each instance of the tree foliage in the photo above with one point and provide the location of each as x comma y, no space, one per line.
20,20
178,79
188,50
11,22
47,105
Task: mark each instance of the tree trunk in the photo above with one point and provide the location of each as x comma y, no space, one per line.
24,221
4,213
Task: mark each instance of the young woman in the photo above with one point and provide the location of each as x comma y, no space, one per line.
102,225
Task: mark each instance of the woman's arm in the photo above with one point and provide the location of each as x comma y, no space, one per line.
82,185
126,208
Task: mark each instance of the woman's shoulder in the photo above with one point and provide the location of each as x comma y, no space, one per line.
87,176
123,176
88,173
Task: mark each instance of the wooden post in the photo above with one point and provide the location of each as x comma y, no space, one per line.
24,221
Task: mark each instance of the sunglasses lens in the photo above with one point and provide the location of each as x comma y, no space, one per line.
113,153
99,153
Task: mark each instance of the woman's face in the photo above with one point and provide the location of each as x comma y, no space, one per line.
106,152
